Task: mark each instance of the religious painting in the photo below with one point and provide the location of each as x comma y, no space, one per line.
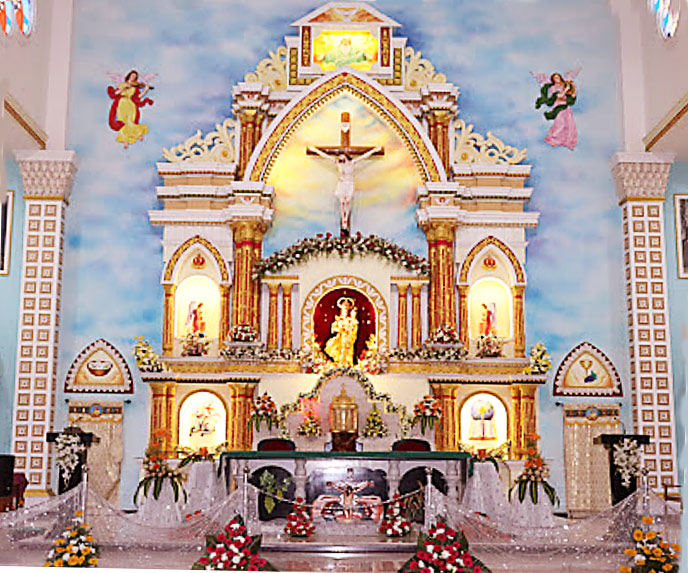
202,421
344,325
6,208
558,92
490,308
127,93
681,214
484,423
333,49
99,368
586,371
347,494
197,307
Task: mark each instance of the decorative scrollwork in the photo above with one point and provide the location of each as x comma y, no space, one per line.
218,146
420,72
272,71
472,147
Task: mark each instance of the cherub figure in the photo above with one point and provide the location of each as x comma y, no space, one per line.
127,95
559,93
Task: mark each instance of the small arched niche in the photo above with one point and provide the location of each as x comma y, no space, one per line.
490,308
197,307
202,421
484,422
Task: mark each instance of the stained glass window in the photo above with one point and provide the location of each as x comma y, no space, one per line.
667,17
6,16
19,15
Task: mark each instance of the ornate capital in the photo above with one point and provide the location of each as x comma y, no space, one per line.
47,174
250,97
439,98
641,176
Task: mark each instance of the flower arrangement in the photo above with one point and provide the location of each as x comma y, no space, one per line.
299,522
313,359
75,546
233,550
146,358
445,334
395,523
443,549
243,333
371,361
157,471
426,413
350,246
264,410
255,352
203,454
195,345
649,552
540,362
535,472
431,352
69,448
310,427
489,346
627,460
375,426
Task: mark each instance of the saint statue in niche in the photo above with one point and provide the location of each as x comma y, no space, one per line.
488,322
195,323
340,347
559,93
482,421
125,109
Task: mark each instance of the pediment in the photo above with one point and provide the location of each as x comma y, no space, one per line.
99,368
346,13
587,371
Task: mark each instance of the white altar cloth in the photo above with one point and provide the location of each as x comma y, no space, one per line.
485,492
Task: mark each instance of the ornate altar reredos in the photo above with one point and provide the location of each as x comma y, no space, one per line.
344,227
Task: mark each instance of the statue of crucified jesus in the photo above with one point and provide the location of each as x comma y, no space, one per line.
345,158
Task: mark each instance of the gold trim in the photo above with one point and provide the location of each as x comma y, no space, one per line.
492,240
25,121
38,492
185,246
666,123
641,200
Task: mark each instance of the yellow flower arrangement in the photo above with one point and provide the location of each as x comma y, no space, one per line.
650,553
74,547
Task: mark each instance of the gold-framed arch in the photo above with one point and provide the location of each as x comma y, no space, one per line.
206,390
171,264
363,88
332,283
504,404
477,249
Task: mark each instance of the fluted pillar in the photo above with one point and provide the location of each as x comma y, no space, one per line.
244,296
224,311
255,284
250,105
528,411
240,406
515,425
439,106
447,432
168,319
170,415
158,414
519,322
286,314
440,236
463,326
416,327
273,289
402,325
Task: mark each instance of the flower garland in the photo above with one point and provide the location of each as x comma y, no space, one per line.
146,358
535,472
75,547
375,426
69,448
395,523
299,522
649,552
264,410
627,460
243,333
540,362
233,550
430,353
489,346
355,245
195,345
443,550
426,413
156,472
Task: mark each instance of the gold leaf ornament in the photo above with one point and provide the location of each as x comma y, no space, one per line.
473,147
271,71
217,146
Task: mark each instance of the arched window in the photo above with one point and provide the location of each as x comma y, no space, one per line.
17,15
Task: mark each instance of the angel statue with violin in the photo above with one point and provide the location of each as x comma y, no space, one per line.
128,98
559,93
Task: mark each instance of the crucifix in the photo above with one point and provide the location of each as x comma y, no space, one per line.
345,156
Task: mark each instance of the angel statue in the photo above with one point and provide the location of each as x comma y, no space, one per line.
559,93
127,95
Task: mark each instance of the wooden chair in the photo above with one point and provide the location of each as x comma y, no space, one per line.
411,445
276,445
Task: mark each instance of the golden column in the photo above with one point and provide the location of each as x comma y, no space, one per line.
251,122
464,327
273,288
528,412
286,315
416,329
438,131
447,431
170,446
240,435
224,312
158,413
519,322
516,426
440,236
402,328
168,320
255,283
244,295
433,287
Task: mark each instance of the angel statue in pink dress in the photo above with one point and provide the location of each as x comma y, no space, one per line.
559,93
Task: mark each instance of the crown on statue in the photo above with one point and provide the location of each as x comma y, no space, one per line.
489,263
198,261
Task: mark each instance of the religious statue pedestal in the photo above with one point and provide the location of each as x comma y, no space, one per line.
619,490
344,441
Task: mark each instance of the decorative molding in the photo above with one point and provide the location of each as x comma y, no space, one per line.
472,147
641,176
24,120
419,71
479,247
74,381
271,71
558,388
47,174
188,244
217,146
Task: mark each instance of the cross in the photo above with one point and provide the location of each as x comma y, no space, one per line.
345,156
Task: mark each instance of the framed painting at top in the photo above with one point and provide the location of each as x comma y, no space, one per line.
6,232
681,213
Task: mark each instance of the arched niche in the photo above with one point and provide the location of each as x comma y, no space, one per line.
202,420
484,421
490,308
197,307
